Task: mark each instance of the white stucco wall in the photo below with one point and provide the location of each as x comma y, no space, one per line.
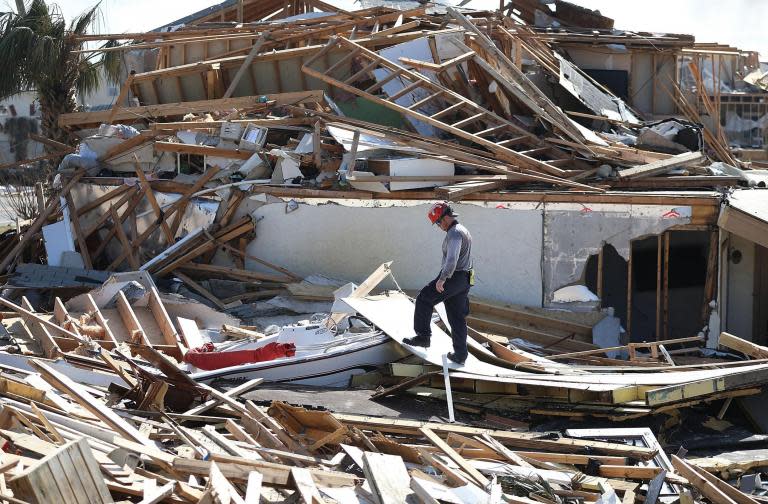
348,240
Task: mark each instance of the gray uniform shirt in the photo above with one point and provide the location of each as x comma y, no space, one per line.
457,251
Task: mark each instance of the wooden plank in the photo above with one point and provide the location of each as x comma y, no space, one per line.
202,150
733,493
707,386
81,243
223,489
69,475
246,64
740,345
94,310
131,322
454,455
121,236
238,470
388,478
47,342
305,486
119,101
153,202
661,166
364,288
534,441
200,290
706,488
155,304
51,143
159,494
233,394
253,491
81,396
28,315
190,333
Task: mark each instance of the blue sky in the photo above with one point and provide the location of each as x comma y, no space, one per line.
734,22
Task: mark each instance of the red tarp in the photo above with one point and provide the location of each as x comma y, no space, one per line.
206,357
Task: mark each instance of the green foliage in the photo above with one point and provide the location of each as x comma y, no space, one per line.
36,53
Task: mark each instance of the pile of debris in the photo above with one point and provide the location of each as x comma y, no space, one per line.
123,432
132,297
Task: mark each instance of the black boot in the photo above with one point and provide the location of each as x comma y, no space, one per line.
452,357
417,341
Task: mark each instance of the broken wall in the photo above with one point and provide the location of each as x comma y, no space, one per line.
574,231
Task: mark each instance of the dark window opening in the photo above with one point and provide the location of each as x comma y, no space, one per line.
617,81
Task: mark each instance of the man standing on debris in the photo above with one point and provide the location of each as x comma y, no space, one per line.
450,287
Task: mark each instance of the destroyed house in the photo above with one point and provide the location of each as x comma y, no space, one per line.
251,215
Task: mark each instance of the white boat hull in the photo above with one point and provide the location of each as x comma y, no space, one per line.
332,368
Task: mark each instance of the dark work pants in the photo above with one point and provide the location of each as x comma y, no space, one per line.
455,296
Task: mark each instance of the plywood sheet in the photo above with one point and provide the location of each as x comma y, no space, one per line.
393,314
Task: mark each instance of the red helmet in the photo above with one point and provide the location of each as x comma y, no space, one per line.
438,211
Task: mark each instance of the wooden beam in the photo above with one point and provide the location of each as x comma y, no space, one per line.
246,63
706,488
661,166
454,455
28,315
47,342
131,114
153,202
121,236
740,345
202,150
135,331
120,98
160,314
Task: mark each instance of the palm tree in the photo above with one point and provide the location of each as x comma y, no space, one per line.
36,54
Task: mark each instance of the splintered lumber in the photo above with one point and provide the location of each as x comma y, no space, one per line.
661,166
223,489
388,477
456,102
534,441
238,470
28,315
81,396
693,475
454,455
47,342
150,195
740,345
313,428
70,475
